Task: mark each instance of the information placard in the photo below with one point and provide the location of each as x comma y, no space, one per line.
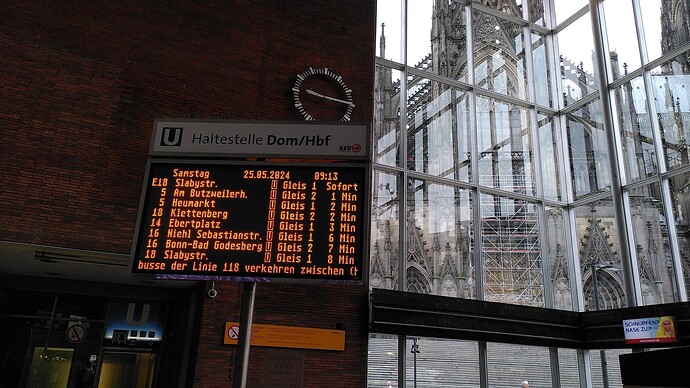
259,221
650,330
280,336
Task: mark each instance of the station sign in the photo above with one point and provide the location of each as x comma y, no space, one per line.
252,221
343,141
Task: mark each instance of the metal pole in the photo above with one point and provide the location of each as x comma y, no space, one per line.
616,180
244,339
415,350
415,370
602,353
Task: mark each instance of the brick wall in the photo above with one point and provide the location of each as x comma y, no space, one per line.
81,85
83,81
314,306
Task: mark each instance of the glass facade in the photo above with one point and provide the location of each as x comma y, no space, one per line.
528,152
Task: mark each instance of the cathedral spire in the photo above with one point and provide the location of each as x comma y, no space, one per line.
382,41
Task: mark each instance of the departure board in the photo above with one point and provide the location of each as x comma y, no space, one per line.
259,221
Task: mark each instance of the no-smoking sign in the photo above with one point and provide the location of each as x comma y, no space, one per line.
75,333
232,333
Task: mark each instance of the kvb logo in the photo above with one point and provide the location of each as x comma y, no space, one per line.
171,136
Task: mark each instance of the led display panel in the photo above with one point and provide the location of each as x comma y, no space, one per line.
252,221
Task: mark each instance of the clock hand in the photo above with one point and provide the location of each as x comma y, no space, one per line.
313,93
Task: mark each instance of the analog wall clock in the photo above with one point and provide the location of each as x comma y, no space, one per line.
320,94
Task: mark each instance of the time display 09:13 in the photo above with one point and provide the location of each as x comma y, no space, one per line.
259,221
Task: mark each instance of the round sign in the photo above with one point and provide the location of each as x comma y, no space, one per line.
75,333
234,332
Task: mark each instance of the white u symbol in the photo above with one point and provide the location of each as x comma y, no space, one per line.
171,136
144,314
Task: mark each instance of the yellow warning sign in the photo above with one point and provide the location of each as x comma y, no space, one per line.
288,337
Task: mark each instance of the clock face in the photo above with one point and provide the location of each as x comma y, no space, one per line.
321,95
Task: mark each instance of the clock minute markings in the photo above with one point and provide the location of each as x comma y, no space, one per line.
324,71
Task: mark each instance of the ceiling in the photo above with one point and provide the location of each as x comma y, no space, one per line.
71,264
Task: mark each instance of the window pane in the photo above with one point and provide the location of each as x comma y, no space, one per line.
33,303
385,223
437,127
536,13
50,367
561,290
512,8
665,26
613,367
542,75
550,158
505,146
639,155
382,363
446,53
567,365
565,9
419,21
599,260
386,116
388,33
20,336
575,43
620,23
441,363
499,55
76,307
511,251
680,200
657,275
439,258
464,139
509,365
671,86
588,152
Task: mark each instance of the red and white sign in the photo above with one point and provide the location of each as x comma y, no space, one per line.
234,332
75,333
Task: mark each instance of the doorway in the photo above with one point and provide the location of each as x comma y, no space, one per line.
120,369
50,367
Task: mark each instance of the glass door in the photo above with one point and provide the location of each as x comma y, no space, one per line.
121,369
50,367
